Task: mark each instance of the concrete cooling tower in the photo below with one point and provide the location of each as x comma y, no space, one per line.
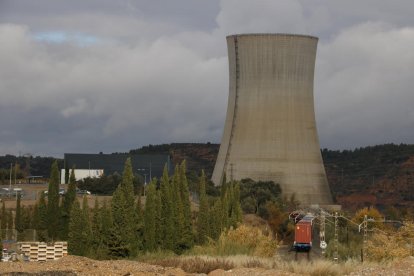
270,130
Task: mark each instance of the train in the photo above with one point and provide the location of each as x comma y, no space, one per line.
303,232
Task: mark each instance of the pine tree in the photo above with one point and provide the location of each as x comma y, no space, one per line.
167,219
187,238
150,217
67,203
53,216
203,213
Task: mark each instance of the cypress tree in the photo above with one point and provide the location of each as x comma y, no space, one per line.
27,214
187,238
53,216
236,211
67,203
10,224
215,219
123,232
40,218
3,224
106,223
18,218
78,236
178,214
86,224
150,217
158,220
96,227
139,224
203,213
167,219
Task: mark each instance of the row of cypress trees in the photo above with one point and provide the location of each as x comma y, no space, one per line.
120,228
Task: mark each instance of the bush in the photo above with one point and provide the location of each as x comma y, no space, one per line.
244,240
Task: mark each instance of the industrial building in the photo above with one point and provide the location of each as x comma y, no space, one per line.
95,165
270,130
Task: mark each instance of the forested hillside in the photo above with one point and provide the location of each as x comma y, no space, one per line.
378,175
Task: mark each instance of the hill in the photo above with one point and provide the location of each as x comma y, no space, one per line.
381,175
197,155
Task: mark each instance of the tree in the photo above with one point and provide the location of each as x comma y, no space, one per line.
177,208
203,213
78,236
187,238
139,223
371,213
53,216
123,232
236,215
167,220
103,231
10,224
67,203
158,220
18,217
40,219
150,217
3,224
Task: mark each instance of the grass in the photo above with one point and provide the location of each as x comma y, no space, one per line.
206,264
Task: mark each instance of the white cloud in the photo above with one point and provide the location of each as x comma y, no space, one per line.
153,76
364,91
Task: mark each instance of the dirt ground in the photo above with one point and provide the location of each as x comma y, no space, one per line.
73,265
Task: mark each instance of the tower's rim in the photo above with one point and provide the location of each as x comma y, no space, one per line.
273,34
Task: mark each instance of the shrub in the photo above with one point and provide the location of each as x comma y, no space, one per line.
244,240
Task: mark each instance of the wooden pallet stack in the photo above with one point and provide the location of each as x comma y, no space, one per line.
42,252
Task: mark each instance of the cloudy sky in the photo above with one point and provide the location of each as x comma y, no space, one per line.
104,75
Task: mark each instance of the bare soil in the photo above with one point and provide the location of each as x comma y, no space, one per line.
73,265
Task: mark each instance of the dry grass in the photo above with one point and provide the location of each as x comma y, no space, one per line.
319,267
244,240
195,264
206,264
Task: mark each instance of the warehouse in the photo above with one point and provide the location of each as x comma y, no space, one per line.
95,165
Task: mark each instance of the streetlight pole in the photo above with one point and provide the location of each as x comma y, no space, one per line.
145,177
11,169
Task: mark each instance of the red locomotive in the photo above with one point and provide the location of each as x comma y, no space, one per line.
303,232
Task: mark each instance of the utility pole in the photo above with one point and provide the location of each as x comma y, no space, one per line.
365,238
322,233
336,258
15,173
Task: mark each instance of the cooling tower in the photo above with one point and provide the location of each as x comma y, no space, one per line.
270,131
